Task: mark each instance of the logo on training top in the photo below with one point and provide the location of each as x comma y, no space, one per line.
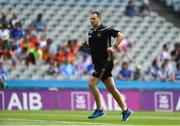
163,101
99,35
80,100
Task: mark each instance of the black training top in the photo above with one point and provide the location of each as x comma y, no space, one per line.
99,41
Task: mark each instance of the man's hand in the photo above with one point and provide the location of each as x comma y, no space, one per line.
85,44
111,49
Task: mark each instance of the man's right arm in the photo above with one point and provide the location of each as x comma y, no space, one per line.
85,44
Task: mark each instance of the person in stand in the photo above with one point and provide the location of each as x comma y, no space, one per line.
3,77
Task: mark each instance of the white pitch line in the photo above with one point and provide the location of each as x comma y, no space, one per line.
61,123
65,123
114,116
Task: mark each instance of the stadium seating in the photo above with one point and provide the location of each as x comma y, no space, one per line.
175,4
69,19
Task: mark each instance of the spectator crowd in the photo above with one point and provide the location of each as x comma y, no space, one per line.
68,59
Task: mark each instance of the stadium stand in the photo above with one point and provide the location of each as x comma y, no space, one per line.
175,4
68,19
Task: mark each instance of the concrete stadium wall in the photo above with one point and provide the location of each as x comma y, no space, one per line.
82,84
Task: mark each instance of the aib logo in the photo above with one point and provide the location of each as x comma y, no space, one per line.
163,101
80,100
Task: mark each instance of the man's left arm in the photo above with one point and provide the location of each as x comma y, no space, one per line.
119,39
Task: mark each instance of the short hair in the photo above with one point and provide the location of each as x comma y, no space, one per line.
97,13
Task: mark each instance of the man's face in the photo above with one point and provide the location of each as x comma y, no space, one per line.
95,20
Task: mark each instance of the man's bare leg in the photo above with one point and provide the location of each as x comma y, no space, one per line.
110,84
93,81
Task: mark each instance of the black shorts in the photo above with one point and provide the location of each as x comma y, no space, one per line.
99,73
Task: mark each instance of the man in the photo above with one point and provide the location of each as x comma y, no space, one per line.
39,24
99,42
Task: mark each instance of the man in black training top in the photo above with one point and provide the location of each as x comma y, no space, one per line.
99,42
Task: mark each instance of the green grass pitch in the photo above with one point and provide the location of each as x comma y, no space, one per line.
79,118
